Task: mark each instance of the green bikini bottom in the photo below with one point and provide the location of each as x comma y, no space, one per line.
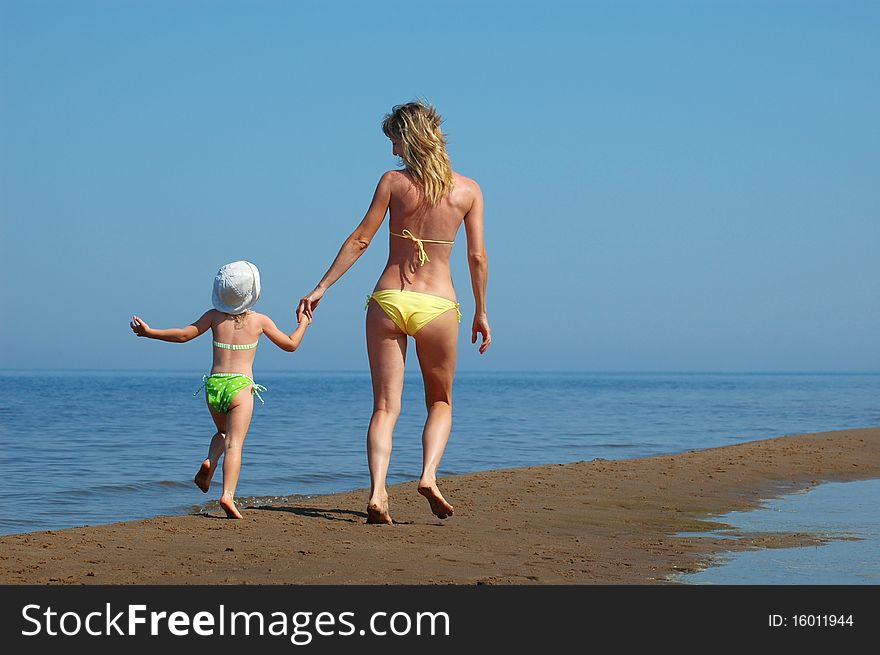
222,388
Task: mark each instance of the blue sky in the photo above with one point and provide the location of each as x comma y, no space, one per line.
669,186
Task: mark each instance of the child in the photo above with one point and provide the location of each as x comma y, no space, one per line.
236,330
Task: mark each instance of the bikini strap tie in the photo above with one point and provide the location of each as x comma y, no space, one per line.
256,389
423,256
204,382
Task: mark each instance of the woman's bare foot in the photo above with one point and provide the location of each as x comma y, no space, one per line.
438,503
378,511
203,477
229,507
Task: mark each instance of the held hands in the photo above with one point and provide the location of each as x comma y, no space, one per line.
139,327
481,326
308,304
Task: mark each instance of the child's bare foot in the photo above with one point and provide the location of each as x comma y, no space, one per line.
229,507
438,503
378,512
203,477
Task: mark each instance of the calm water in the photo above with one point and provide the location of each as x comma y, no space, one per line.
846,513
93,447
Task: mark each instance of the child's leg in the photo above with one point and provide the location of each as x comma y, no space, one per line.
215,450
238,420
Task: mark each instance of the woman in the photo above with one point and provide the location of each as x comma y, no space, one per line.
414,295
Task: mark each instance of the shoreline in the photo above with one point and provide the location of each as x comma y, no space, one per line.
594,522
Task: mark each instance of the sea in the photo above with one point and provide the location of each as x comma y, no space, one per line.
93,446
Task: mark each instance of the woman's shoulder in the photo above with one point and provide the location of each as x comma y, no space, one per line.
467,185
465,180
395,176
389,181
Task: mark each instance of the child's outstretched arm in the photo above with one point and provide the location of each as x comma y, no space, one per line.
175,335
288,342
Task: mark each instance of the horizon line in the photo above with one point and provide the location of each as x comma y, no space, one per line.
469,371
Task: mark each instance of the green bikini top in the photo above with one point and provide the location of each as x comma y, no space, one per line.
235,346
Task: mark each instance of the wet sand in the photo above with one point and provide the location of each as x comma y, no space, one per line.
597,522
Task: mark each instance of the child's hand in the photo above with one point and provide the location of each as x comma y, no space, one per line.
308,304
138,326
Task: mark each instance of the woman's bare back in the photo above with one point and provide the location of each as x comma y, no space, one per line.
404,269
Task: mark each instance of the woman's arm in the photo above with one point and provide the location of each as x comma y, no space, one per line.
289,342
478,264
175,335
352,248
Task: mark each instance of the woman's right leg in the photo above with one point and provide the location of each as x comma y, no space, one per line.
436,347
386,347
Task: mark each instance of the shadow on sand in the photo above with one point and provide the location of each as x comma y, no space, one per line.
347,515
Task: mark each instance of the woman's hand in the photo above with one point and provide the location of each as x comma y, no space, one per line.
481,326
138,326
308,303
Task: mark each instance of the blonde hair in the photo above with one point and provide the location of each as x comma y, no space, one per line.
416,125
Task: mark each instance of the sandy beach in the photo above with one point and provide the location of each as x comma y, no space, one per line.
596,522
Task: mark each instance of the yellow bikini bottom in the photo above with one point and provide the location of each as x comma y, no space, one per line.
411,310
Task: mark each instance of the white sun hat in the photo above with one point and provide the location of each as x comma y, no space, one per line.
236,287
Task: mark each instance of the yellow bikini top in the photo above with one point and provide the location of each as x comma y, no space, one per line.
423,256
